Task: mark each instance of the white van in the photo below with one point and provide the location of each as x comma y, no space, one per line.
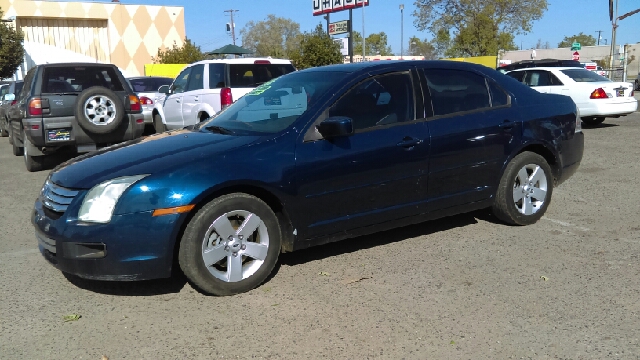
204,88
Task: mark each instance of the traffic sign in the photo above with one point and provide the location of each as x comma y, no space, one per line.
576,56
339,27
576,46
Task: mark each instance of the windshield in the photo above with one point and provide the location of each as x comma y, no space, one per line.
583,75
274,105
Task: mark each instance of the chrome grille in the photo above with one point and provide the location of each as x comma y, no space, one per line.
56,197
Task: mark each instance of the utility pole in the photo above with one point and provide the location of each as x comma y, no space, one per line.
364,41
233,25
599,32
613,15
401,30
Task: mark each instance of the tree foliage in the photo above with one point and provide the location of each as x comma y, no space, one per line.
316,49
419,47
476,27
186,54
376,44
583,39
11,49
276,37
541,45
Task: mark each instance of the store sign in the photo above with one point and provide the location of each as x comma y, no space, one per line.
340,27
330,6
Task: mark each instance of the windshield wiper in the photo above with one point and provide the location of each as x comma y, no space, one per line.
219,129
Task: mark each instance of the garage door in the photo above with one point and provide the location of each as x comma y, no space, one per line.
55,40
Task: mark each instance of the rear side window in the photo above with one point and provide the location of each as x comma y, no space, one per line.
254,75
541,78
518,75
583,75
148,84
498,96
79,78
216,76
456,90
28,83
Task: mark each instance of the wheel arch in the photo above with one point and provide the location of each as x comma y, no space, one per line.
261,193
547,154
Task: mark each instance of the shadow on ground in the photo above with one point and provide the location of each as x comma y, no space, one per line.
132,288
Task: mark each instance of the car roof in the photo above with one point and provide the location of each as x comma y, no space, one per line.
67,64
242,61
401,64
550,68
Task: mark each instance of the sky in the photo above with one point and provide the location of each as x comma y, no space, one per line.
205,20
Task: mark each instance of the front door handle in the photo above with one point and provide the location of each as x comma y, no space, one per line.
196,98
507,125
409,142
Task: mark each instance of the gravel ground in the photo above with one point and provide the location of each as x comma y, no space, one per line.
462,287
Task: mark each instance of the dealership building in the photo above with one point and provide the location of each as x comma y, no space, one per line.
107,32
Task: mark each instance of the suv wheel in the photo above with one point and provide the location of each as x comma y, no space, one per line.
33,163
158,125
99,110
17,150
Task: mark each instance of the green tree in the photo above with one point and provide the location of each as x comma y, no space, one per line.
11,49
419,47
583,39
541,45
476,27
316,49
186,54
376,44
276,37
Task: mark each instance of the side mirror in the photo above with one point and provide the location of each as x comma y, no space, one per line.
9,97
164,89
335,126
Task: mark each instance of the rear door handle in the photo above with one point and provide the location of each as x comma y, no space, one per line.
409,142
507,125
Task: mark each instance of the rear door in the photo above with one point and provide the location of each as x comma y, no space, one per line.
173,102
473,130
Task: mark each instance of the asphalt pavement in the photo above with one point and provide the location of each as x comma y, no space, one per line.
466,286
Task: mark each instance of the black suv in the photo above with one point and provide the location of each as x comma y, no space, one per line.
77,106
8,94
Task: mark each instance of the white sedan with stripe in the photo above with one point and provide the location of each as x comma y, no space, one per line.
595,96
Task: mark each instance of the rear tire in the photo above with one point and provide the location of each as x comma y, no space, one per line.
593,121
33,163
17,150
231,245
158,124
3,129
525,190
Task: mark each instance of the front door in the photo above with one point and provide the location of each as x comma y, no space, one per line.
377,174
173,102
191,102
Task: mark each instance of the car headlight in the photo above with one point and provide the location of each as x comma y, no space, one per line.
101,200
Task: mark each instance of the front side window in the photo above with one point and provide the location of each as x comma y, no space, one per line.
196,78
180,83
456,91
381,100
275,105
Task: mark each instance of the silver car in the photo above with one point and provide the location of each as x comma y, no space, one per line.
146,87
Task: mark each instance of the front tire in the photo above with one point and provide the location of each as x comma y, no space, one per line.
593,121
525,190
231,245
17,150
158,124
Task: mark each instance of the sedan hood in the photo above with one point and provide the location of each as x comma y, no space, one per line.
148,155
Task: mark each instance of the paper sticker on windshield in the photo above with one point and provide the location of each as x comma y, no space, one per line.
262,88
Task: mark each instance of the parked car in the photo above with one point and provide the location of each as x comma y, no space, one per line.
146,87
637,83
539,63
191,99
6,102
314,156
77,106
596,97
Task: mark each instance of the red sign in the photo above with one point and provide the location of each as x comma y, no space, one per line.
329,6
576,56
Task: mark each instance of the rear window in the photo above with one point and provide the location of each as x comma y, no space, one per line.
78,78
254,75
583,75
148,84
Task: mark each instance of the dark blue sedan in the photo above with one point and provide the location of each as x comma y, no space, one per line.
315,156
